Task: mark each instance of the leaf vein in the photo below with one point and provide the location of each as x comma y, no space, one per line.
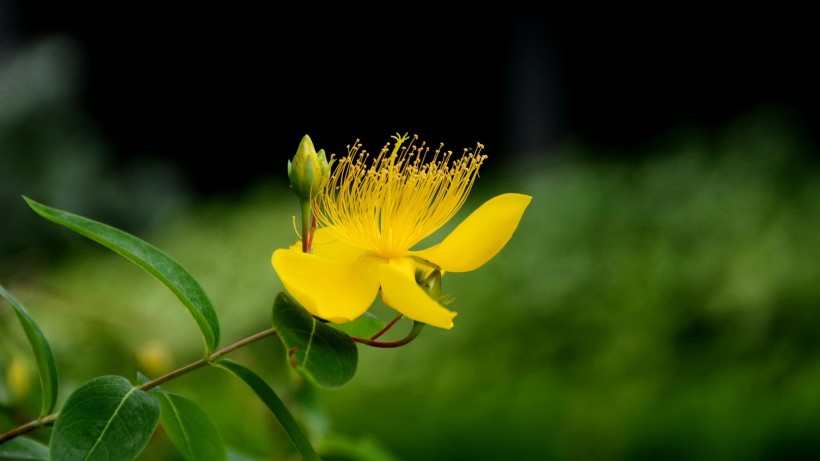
108,424
310,340
178,416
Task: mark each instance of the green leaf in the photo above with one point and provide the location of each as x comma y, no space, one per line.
150,258
42,353
142,379
23,449
234,455
105,419
190,429
325,355
274,403
365,326
363,449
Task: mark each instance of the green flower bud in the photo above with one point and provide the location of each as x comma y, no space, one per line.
430,281
308,170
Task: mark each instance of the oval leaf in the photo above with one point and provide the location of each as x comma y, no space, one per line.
42,353
150,258
190,429
23,449
104,419
324,354
274,403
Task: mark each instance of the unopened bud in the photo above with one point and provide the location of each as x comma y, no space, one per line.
308,170
430,281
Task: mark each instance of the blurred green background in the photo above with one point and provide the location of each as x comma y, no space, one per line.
658,300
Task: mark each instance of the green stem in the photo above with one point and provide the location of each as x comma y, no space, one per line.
49,419
28,427
207,360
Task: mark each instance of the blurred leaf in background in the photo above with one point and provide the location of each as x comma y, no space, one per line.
660,308
51,149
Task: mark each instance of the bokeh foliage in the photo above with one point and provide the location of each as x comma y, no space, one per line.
663,307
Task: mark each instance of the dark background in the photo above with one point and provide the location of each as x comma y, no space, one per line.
664,274
227,91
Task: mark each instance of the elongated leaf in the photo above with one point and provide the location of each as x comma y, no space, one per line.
150,258
327,356
23,449
42,353
190,429
105,419
274,403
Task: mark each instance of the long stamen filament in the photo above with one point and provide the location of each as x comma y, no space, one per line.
389,203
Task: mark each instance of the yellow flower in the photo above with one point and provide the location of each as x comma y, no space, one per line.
372,213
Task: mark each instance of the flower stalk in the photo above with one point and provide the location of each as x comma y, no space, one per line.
414,333
307,173
210,359
305,208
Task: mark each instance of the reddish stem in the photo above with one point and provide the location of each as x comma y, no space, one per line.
386,327
417,327
292,357
310,234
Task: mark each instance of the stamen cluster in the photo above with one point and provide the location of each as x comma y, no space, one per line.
391,202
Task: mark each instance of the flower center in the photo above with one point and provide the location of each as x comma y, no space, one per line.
388,204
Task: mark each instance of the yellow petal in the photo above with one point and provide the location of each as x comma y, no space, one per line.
333,290
327,245
400,291
480,236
